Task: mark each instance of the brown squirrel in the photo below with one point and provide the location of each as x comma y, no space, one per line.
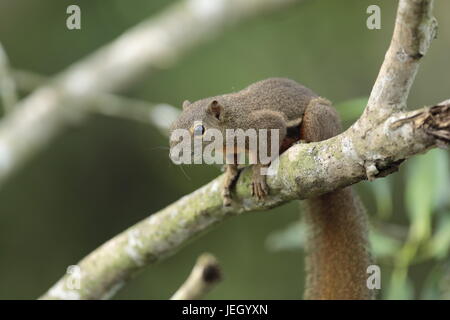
337,247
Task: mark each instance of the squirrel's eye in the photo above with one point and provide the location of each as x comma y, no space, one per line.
199,130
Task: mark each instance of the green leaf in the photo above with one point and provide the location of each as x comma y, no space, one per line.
424,184
400,288
431,289
383,245
291,238
382,191
439,244
442,196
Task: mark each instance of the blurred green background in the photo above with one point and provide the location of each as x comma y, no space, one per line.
103,175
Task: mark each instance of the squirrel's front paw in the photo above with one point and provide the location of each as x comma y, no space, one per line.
231,174
259,187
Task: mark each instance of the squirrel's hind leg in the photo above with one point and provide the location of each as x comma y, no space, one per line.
268,120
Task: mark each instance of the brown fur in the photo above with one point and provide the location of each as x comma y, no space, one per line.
337,256
337,248
270,103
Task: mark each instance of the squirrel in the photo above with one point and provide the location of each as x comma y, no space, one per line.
337,246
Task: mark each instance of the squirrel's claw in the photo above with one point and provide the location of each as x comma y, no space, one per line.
259,188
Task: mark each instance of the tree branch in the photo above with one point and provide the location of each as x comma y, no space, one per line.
381,139
305,170
8,94
160,115
415,28
205,275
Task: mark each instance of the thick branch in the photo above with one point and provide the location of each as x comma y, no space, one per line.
204,276
154,43
415,28
305,170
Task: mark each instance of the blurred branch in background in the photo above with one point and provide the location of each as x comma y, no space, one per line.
8,94
204,276
160,115
155,43
373,147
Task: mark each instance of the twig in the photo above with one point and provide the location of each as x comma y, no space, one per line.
160,115
204,276
8,92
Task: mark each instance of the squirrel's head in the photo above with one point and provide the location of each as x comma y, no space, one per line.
197,118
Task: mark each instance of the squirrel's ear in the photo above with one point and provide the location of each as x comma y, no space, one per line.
216,109
186,103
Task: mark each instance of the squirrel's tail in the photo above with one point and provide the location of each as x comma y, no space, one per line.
337,246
